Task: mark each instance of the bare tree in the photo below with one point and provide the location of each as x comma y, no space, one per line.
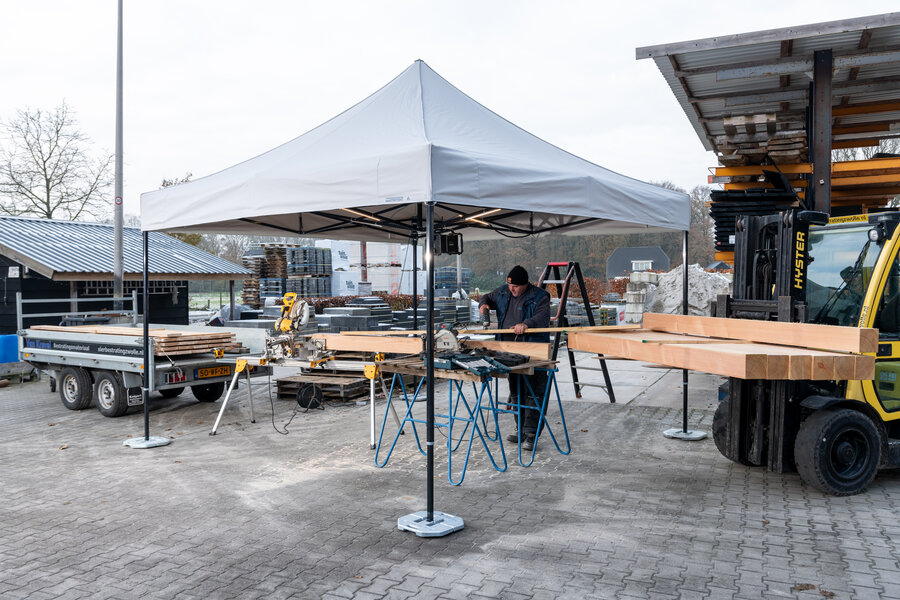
46,169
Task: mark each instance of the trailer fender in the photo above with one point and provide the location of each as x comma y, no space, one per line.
131,379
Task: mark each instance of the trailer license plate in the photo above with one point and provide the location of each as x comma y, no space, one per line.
212,372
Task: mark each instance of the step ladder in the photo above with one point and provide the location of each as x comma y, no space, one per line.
561,275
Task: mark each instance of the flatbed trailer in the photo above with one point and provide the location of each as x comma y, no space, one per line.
108,369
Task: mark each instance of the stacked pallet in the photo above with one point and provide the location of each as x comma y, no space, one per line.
166,342
255,263
742,348
332,386
755,139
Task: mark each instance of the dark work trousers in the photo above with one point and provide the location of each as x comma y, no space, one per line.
531,422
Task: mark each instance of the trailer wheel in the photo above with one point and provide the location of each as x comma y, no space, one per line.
208,392
75,388
838,451
720,433
112,397
171,392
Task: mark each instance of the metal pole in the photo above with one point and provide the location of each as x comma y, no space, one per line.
459,274
415,282
231,296
684,311
149,367
118,220
429,357
145,390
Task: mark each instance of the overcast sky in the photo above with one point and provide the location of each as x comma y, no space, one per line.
209,83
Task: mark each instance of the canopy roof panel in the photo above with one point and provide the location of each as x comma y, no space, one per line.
364,175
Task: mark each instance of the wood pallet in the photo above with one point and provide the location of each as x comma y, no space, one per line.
332,386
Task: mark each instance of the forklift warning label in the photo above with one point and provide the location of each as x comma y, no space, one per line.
86,348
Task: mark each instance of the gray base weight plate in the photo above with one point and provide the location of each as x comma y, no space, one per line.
152,442
688,436
417,522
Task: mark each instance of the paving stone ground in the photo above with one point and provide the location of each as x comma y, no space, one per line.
251,513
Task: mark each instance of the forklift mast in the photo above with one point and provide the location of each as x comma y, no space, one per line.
770,264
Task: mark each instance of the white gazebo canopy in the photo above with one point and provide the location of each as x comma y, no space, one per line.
364,175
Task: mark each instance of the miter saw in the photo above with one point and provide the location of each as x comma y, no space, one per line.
294,315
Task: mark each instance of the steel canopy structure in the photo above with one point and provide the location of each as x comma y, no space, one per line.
413,160
770,72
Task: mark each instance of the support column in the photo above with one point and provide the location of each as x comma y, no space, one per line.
821,131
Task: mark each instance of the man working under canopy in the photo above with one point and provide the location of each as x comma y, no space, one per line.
521,306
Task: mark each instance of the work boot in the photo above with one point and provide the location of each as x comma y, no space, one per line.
528,442
513,437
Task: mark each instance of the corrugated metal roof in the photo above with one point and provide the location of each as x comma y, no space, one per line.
728,76
53,248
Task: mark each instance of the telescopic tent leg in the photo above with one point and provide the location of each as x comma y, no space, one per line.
148,369
429,522
684,433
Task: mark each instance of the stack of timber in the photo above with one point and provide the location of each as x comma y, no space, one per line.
166,342
250,294
742,348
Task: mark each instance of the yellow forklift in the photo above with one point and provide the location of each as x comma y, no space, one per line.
803,266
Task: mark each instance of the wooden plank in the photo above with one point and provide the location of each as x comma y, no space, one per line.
362,343
500,331
735,360
746,360
804,335
537,350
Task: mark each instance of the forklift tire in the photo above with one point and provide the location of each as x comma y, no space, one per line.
171,392
838,451
720,433
112,397
208,392
75,388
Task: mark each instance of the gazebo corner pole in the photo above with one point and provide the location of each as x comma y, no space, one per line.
147,368
429,523
414,240
429,357
145,299
684,433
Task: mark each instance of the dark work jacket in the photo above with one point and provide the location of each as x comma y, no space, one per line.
500,299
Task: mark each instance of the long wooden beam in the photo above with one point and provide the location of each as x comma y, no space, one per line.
803,335
392,345
739,360
500,331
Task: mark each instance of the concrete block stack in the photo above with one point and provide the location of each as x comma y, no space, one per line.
635,294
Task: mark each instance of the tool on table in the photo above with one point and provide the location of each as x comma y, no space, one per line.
445,339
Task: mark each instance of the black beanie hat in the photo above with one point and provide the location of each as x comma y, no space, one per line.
518,276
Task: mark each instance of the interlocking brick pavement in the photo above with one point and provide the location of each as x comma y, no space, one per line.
250,513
